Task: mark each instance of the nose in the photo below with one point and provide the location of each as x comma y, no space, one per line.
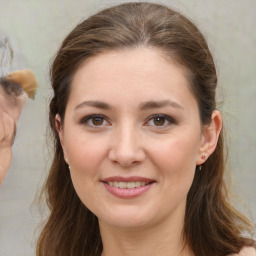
126,147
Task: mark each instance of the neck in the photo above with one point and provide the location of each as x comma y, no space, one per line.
165,239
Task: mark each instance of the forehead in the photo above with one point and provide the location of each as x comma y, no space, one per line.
138,63
142,74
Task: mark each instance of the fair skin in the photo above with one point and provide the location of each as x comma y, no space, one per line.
7,131
131,121
10,109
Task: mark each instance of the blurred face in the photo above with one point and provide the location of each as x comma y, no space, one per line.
132,137
12,105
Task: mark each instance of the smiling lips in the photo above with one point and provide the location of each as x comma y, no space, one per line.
127,187
122,184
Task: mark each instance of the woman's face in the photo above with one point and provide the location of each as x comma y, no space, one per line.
132,137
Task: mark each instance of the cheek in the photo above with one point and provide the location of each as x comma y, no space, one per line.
82,166
176,159
85,155
177,150
86,158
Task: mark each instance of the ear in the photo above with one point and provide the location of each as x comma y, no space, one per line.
210,136
61,137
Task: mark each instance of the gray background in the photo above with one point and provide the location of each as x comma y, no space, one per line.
36,29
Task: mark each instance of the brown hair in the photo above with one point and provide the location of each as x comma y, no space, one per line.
212,226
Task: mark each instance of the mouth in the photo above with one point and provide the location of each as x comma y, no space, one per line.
127,187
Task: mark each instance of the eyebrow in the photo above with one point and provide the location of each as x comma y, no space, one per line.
95,104
160,104
143,106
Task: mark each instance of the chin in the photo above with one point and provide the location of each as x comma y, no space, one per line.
127,218
126,223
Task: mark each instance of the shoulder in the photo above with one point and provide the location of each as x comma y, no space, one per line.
246,251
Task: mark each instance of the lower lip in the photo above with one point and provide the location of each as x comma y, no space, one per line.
127,192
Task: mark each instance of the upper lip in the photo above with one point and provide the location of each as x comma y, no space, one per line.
127,179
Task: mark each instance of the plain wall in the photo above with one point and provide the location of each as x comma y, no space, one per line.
36,29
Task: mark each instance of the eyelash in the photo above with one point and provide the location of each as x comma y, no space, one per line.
167,118
86,120
89,118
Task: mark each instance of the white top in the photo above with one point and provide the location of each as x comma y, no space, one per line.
246,251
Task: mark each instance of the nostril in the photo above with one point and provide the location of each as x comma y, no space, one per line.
125,161
126,149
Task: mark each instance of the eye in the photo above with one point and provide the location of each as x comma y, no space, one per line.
94,120
160,120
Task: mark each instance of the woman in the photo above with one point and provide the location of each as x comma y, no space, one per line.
139,157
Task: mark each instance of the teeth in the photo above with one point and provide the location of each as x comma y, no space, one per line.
122,184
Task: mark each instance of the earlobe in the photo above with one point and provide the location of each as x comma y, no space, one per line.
210,137
58,123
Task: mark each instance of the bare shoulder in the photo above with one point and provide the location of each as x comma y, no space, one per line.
246,251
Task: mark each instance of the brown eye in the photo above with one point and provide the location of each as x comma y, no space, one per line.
97,121
159,121
94,121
